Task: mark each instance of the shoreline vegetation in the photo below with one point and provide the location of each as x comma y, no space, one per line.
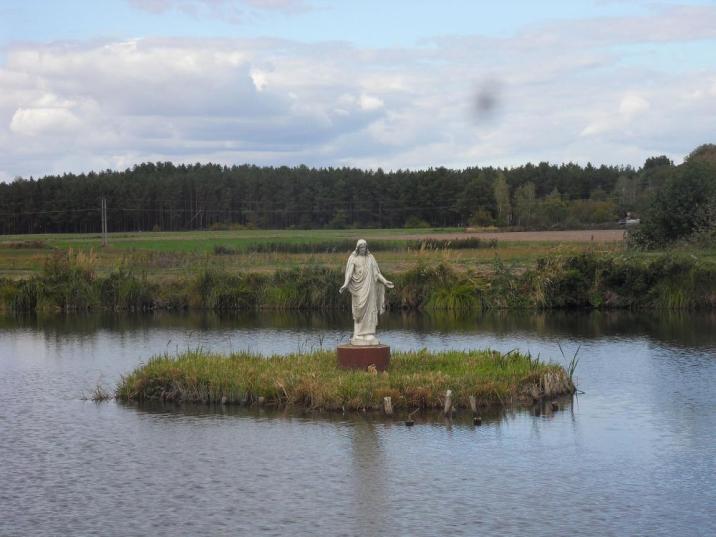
414,380
70,282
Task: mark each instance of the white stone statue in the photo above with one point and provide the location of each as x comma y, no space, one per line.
367,287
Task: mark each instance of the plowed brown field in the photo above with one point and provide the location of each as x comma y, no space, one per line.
597,235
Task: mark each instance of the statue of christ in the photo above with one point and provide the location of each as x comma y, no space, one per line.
367,287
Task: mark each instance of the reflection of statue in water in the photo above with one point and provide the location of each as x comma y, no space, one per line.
370,509
367,287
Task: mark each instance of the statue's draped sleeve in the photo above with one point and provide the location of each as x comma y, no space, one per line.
349,270
379,287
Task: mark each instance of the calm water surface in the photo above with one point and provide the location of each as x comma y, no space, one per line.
633,455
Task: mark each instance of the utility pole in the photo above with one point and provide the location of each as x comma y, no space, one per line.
104,221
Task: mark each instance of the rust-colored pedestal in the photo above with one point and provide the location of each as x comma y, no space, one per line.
360,357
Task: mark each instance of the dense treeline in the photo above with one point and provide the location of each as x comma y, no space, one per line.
163,196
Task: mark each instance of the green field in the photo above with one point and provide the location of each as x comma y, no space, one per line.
167,255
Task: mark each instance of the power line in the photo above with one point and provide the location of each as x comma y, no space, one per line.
104,221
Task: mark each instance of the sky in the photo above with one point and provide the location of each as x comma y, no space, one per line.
87,85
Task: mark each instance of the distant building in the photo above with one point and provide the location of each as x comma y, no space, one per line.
630,220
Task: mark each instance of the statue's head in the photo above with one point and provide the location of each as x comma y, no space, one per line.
361,247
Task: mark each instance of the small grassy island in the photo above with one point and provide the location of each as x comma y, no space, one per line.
414,380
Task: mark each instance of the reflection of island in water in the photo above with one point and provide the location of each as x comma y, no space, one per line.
670,328
363,426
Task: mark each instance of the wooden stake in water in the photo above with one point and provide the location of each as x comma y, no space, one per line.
387,406
448,403
473,404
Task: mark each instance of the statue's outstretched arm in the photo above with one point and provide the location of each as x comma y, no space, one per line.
349,273
385,282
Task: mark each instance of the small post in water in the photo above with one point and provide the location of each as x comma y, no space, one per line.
473,404
387,406
448,403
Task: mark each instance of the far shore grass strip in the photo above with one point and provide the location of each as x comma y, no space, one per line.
70,282
414,380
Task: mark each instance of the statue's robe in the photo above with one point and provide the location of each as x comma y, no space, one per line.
368,293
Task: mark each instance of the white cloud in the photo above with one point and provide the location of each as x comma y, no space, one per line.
632,105
662,24
233,11
34,121
369,102
282,5
259,79
153,6
553,95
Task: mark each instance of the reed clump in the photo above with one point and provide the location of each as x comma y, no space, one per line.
69,282
99,394
414,380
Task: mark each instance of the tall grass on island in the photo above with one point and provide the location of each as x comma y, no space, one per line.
413,380
69,282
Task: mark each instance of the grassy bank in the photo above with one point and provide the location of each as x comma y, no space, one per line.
69,282
414,380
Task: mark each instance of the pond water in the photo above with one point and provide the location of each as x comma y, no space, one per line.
635,454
